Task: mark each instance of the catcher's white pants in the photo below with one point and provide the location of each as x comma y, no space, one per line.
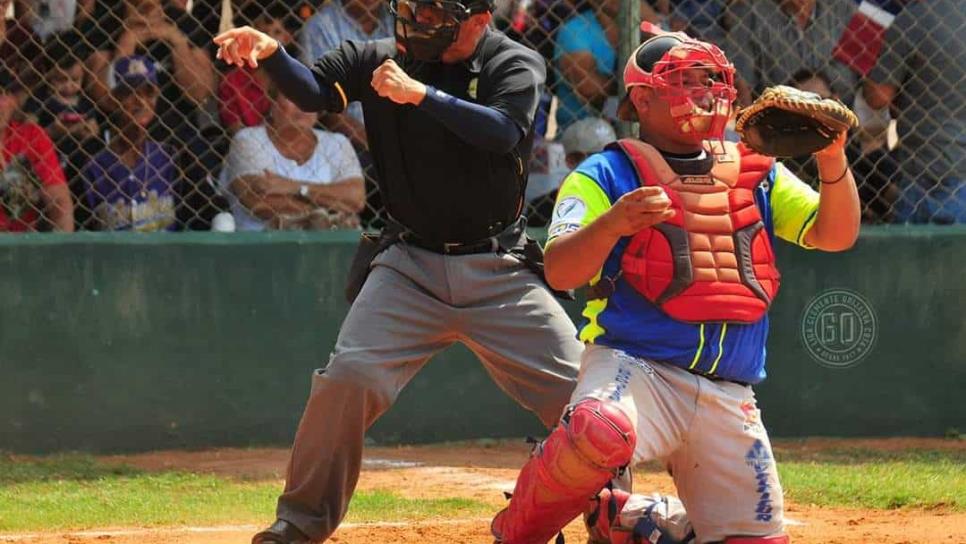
708,433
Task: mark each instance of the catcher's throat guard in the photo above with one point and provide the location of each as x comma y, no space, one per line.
693,77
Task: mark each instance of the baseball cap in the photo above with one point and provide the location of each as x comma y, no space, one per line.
133,72
588,135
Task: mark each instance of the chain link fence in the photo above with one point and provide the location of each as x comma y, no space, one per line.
116,115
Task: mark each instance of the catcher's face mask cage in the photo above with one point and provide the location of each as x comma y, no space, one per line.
424,28
693,77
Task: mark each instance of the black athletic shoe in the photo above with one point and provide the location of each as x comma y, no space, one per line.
281,532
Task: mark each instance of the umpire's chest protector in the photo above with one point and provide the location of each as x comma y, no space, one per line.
713,260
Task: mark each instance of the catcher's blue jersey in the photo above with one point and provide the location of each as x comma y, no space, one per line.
627,321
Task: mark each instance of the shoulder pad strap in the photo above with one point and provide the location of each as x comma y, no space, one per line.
650,166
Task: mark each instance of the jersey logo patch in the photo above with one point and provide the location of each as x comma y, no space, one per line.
562,228
570,209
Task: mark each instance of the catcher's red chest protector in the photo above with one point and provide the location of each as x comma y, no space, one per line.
713,260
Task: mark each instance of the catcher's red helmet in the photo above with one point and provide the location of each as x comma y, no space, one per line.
701,108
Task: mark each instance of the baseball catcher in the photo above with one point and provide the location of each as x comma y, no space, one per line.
674,233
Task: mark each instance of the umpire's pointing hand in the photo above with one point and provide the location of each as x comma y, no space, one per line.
635,211
390,81
244,45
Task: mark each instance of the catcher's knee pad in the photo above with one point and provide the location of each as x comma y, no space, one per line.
774,539
602,434
565,472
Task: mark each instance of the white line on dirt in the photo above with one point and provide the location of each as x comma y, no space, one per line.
223,529
370,462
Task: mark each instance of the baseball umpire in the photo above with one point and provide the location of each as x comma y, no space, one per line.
449,106
674,232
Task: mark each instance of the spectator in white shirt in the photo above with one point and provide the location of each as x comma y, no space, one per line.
287,175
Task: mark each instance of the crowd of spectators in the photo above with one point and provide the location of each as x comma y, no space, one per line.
116,116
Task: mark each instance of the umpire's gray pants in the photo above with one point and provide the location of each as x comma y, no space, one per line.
414,304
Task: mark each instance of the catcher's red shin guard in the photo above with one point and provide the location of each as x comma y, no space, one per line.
775,539
578,458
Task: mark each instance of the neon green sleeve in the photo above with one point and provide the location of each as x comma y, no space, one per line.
794,206
580,200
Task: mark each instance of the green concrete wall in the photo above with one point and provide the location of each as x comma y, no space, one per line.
119,343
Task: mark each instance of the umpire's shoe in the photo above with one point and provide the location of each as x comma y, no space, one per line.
281,532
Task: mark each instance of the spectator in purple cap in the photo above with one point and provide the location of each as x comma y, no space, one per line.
131,185
176,44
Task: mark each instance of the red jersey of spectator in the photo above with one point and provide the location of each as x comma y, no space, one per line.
29,162
243,99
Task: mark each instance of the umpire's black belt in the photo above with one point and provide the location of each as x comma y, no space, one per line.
506,240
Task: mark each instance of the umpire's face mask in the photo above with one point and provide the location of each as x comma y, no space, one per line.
425,28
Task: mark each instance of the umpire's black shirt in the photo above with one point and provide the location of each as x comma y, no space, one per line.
433,182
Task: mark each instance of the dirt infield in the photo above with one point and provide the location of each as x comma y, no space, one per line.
481,472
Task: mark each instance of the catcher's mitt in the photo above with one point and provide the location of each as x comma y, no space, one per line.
787,122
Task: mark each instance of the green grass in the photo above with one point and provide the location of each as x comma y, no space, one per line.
875,479
867,478
77,492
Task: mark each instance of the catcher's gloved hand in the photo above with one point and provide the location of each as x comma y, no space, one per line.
787,122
